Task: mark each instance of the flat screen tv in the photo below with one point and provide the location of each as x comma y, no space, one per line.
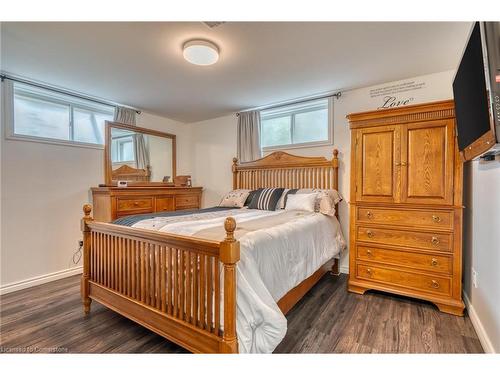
476,90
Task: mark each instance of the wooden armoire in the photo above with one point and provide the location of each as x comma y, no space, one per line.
406,204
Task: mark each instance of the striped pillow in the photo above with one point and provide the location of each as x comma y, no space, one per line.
266,199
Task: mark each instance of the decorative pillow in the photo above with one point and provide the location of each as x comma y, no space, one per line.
302,202
325,200
235,198
250,196
332,193
266,199
283,198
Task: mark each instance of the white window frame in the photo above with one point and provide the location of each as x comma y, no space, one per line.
54,97
278,112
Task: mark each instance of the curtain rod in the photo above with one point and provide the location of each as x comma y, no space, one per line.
336,95
4,76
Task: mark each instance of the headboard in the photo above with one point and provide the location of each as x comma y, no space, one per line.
126,172
281,169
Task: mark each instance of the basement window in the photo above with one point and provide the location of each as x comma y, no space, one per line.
304,124
48,116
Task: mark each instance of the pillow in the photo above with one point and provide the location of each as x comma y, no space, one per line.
235,198
332,193
283,198
266,199
302,202
325,200
249,198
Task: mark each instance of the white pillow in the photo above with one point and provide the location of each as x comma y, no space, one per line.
325,200
235,198
301,202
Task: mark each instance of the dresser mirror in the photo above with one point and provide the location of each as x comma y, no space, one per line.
138,156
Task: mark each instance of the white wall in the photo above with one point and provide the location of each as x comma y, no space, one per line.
214,141
43,189
482,249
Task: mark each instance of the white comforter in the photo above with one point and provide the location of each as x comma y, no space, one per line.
273,261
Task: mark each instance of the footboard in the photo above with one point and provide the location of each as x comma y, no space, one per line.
173,285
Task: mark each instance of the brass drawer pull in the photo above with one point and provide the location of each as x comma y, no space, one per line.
369,252
436,218
435,284
369,215
369,233
136,203
369,271
435,241
434,262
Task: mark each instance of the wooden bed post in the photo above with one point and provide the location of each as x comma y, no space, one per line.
235,173
87,208
229,256
335,166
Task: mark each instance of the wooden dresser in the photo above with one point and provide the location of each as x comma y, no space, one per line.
111,203
406,204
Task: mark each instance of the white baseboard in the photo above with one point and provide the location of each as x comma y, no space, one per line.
344,269
478,326
23,284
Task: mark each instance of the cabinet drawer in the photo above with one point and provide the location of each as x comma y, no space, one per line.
407,280
165,204
428,262
186,201
422,240
433,219
133,204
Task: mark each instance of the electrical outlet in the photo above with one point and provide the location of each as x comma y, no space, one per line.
474,278
80,243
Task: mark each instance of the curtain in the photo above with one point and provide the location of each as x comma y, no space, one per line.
249,136
141,151
7,103
128,116
125,115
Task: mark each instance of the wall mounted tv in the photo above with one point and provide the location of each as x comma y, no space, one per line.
476,91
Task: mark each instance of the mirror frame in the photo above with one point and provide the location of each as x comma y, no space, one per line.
107,153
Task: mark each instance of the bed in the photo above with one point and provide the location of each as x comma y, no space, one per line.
216,280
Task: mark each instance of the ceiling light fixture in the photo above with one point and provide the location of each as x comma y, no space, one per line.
201,52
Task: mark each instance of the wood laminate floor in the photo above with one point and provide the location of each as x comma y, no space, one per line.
49,318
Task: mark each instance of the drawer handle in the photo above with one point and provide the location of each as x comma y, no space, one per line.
435,240
369,215
434,262
136,203
369,271
436,218
369,252
435,284
369,233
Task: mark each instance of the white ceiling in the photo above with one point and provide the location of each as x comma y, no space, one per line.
141,64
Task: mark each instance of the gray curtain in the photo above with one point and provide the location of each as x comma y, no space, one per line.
141,151
128,116
125,115
249,136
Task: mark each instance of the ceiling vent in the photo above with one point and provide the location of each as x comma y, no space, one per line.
213,24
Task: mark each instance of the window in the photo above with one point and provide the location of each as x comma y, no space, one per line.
47,115
303,124
122,147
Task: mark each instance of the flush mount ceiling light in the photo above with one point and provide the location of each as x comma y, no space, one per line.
201,52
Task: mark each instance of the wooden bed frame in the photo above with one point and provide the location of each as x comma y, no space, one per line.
170,284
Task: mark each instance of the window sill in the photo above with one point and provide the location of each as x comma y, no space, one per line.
59,142
295,146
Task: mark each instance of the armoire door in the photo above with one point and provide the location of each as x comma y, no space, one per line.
377,159
427,162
